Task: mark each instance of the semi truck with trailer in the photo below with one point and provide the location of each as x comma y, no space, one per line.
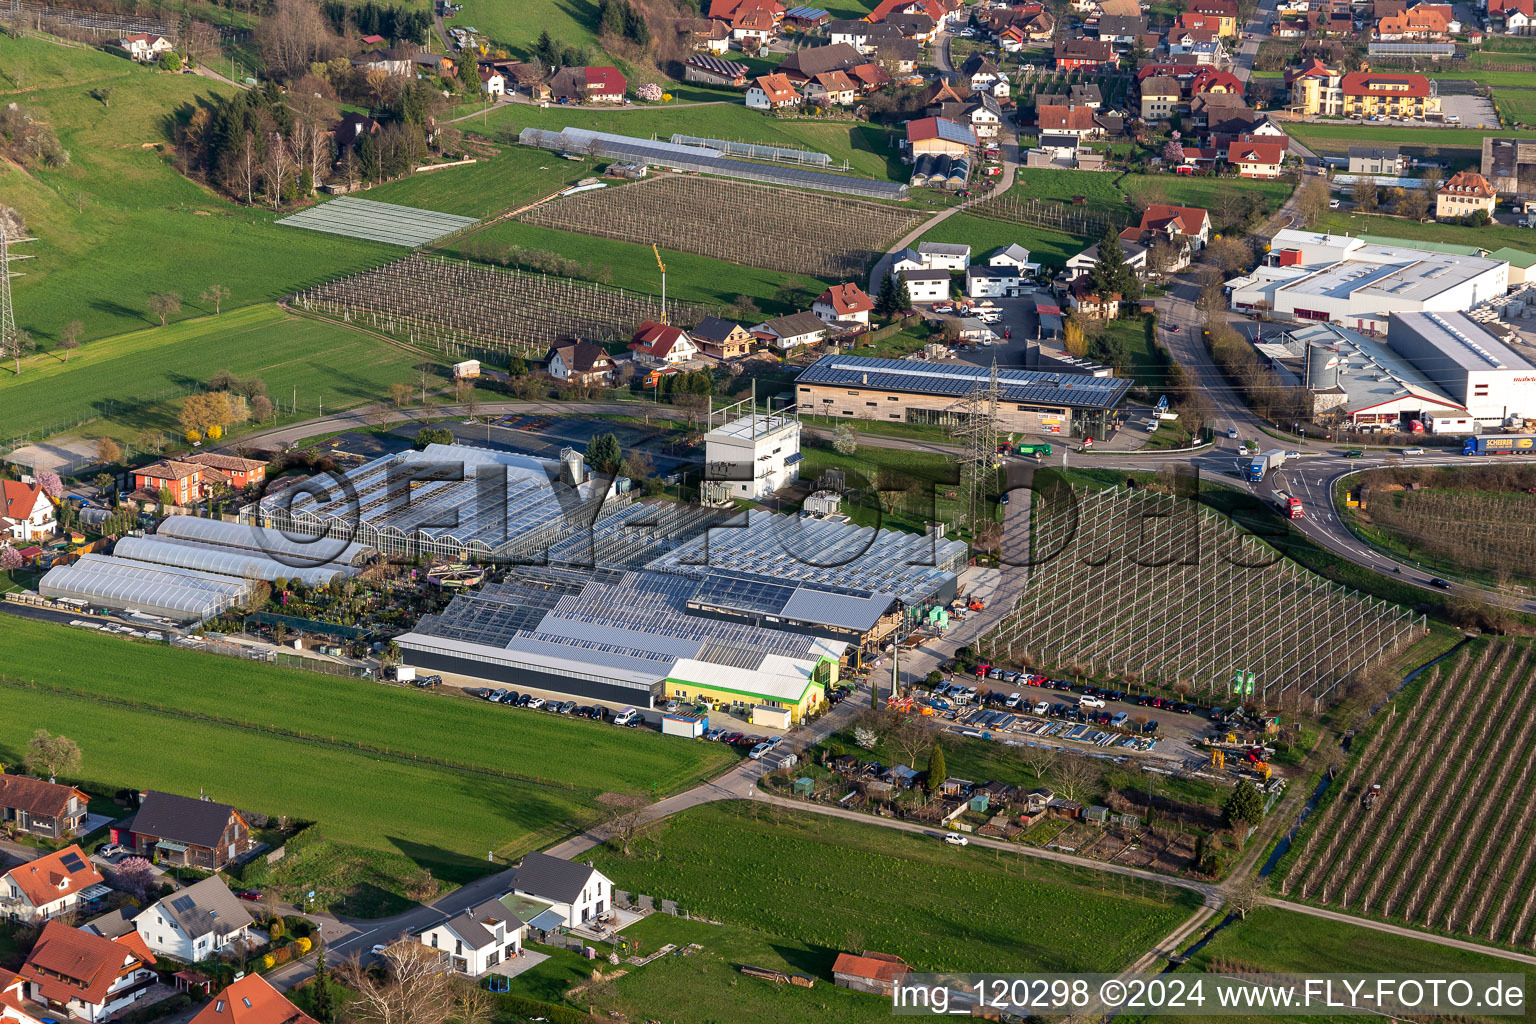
1263,463
1499,444
1288,504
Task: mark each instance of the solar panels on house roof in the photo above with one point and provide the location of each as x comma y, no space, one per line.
1079,391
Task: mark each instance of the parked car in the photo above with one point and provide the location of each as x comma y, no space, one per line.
495,696
249,895
1150,727
1042,707
1013,700
534,703
758,751
1090,702
479,692
956,839
510,697
525,700
111,850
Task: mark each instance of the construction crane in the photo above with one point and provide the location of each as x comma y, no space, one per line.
663,268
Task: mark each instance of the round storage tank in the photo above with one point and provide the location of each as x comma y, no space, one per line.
1322,367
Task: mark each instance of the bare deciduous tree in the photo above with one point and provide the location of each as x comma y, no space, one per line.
293,36
1075,775
1041,760
1245,894
216,294
164,304
69,337
416,989
910,739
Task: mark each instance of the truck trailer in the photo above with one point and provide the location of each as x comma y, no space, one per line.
1499,444
1289,505
1263,463
1037,450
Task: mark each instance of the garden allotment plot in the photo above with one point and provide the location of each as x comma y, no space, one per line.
378,222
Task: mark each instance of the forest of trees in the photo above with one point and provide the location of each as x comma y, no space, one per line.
371,19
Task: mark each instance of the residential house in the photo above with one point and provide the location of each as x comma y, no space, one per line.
941,13
195,476
843,302
580,362
1087,303
1013,255
197,923
1073,54
1423,22
772,92
1210,81
753,27
26,513
708,69
939,136
53,884
434,64
725,10
1512,17
1256,159
991,282
1120,30
984,76
1463,193
660,345
392,62
41,808
1378,161
80,975
792,331
146,48
926,285
1011,39
1160,98
869,77
474,941
251,1000
721,339
1210,51
576,890
908,259
1224,12
1198,158
875,973
808,62
492,81
1076,122
183,831
14,1008
351,128
1134,252
706,34
918,26
861,35
1190,223
589,85
831,89
944,255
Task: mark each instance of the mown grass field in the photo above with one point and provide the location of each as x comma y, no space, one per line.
133,381
870,150
515,176
442,818
833,885
118,223
1490,236
983,234
690,278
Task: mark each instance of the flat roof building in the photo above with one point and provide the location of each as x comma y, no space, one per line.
752,455
1476,369
908,391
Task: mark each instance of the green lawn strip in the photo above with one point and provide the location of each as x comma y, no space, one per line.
690,278
515,176
1461,147
931,477
133,381
868,149
833,884
118,223
983,235
1490,236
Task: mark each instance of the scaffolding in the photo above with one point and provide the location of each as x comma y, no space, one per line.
976,426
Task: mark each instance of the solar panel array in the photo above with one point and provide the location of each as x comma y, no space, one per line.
377,222
1078,391
654,153
72,862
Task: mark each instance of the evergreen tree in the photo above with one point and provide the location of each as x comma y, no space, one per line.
610,15
368,157
635,28
546,50
887,302
320,1005
905,294
936,770
1244,807
604,453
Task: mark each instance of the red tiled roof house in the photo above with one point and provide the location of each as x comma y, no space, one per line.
82,975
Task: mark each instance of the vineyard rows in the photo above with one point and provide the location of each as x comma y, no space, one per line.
460,307
1166,589
1447,846
756,225
1490,532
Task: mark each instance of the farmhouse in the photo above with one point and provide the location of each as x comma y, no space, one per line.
78,974
792,331
41,808
846,302
474,941
49,886
579,362
26,513
180,830
197,923
145,48
707,34
721,339
806,63
492,81
589,85
251,1000
771,92
904,391
876,973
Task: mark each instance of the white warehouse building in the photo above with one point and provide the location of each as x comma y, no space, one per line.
1357,284
1471,365
756,454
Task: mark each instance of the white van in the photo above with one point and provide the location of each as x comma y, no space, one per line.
625,717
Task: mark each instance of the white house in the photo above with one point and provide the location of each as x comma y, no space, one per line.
792,331
761,453
1015,256
580,362
146,48
994,282
907,259
195,923
927,285
478,939
659,345
846,302
82,975
944,255
770,92
48,886
26,513
492,82
579,891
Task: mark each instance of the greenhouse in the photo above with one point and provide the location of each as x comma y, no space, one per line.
176,593
290,549
228,562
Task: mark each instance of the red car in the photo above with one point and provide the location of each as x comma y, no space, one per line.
253,895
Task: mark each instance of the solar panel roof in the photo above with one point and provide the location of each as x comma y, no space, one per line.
1074,390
